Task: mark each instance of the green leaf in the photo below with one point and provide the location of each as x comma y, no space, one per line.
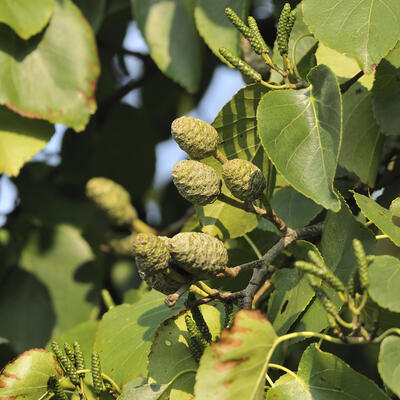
364,30
63,261
236,125
337,249
215,28
389,363
20,313
26,377
234,368
386,93
380,216
384,273
171,346
53,74
322,376
301,130
174,44
125,335
290,298
93,10
131,391
362,142
295,209
20,139
26,17
83,333
305,48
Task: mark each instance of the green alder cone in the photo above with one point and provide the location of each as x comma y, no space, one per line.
244,180
112,199
199,254
196,182
198,138
161,282
151,253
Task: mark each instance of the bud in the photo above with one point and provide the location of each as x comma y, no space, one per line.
196,182
112,199
199,254
243,179
151,253
198,138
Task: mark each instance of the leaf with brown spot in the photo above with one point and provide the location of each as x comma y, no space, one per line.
25,378
234,368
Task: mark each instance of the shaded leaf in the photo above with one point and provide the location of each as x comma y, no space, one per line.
171,345
389,363
125,335
364,30
380,216
26,377
63,261
174,44
93,10
336,247
386,93
20,139
26,17
20,314
215,28
234,367
294,208
384,288
303,137
321,376
53,74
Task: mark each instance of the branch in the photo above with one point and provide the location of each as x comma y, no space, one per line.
345,86
122,51
261,266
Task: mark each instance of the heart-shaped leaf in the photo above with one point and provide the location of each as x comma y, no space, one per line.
301,131
364,30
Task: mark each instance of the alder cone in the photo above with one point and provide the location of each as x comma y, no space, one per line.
112,199
151,253
199,254
196,182
198,138
161,282
244,180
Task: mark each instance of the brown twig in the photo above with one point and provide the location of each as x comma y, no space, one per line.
171,299
345,86
261,267
266,285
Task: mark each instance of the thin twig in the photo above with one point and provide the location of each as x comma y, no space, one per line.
345,86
